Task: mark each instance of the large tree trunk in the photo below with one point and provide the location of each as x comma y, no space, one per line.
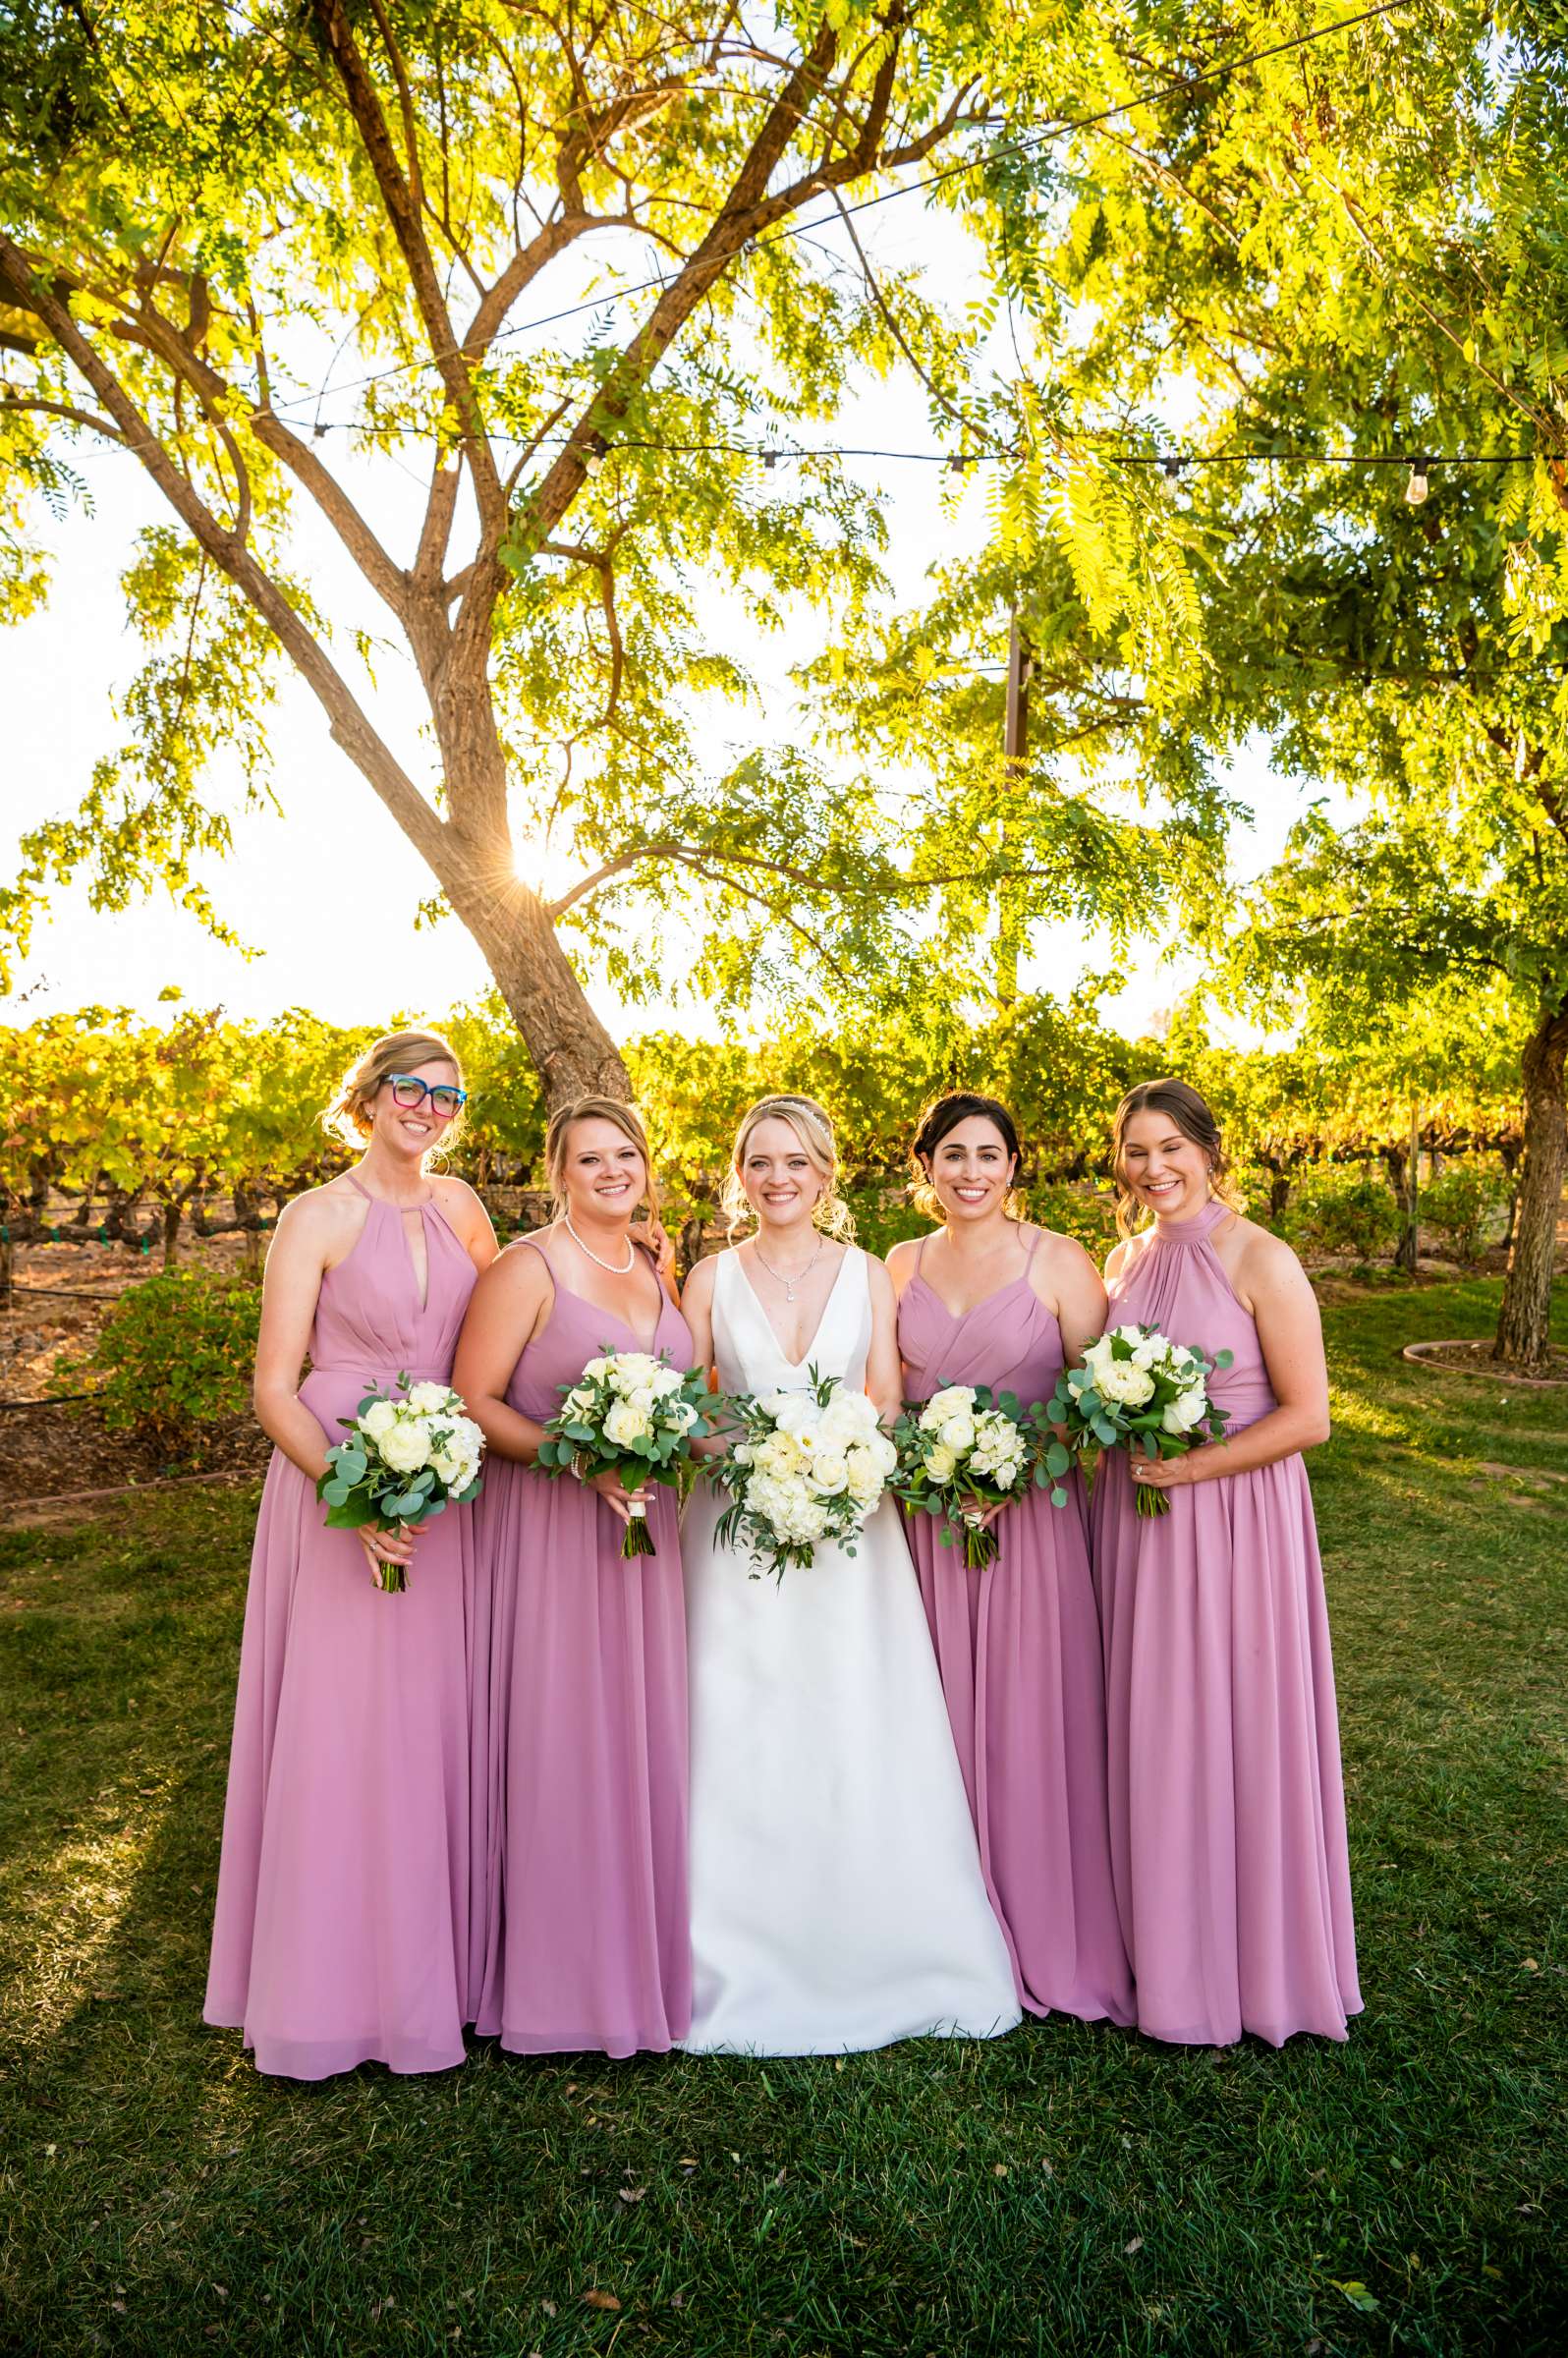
1524,1325
572,1053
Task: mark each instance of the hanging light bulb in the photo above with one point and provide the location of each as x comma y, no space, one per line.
593,453
769,460
1172,468
1416,488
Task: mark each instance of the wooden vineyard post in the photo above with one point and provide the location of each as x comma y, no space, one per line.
1406,1257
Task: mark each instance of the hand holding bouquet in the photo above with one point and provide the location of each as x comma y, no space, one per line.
631,1415
404,1461
965,1449
1137,1390
811,1466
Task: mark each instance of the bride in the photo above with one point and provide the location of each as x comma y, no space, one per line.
837,1900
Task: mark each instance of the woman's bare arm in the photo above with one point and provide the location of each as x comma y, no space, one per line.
312,1232
885,1370
509,1305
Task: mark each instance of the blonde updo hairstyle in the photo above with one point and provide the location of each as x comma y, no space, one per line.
811,1126
557,1141
1187,1113
351,1116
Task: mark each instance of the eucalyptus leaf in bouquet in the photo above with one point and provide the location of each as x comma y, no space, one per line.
409,1455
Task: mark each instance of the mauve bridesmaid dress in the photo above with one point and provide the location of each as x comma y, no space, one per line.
586,1887
342,1933
1018,1643
1226,1805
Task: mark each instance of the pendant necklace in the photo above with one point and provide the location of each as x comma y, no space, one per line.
631,1255
789,1283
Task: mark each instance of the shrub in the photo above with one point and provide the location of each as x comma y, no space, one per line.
176,1354
1461,1204
1335,1212
1087,1213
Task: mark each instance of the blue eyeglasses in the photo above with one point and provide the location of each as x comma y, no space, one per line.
410,1092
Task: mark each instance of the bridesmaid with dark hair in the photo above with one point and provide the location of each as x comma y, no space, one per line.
988,1299
588,1940
1227,1810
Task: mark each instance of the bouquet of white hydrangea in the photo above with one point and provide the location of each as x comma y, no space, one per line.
405,1460
809,1466
963,1450
634,1415
1137,1390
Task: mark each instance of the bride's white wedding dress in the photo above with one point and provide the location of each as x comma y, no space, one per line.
837,1900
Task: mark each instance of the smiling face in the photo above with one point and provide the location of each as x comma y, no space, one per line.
409,1132
603,1175
970,1170
782,1184
1163,1168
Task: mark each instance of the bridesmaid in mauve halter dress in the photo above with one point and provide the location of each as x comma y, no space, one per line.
1226,1806
342,1933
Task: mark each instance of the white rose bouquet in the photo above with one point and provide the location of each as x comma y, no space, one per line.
963,1450
405,1460
634,1415
1135,1390
809,1466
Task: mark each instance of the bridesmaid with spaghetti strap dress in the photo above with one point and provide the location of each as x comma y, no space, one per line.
986,1300
342,1933
584,1884
1227,1809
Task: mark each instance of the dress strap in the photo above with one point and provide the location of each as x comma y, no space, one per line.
358,1189
1031,1248
919,1252
533,1245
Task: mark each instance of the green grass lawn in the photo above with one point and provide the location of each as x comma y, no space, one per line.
1067,2189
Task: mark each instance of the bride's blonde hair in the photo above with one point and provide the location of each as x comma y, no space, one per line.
812,1127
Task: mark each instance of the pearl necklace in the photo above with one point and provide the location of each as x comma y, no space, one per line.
789,1283
627,1267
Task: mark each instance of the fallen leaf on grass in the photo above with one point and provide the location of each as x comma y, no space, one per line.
1356,2294
1530,1965
998,2169
602,2300
1136,2245
631,2194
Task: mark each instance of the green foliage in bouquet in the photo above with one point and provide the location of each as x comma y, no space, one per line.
407,1458
1135,1389
633,1414
176,1354
967,1448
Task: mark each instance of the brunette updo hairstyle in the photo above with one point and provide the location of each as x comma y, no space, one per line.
811,1126
940,1116
1187,1113
626,1119
351,1116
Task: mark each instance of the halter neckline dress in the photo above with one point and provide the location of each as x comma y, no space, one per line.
1227,1809
342,1934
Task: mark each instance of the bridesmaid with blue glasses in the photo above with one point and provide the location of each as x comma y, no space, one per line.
343,1931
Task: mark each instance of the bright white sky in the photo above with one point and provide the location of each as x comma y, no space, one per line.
326,892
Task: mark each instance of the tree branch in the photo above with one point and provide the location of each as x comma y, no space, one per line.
403,211
351,730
